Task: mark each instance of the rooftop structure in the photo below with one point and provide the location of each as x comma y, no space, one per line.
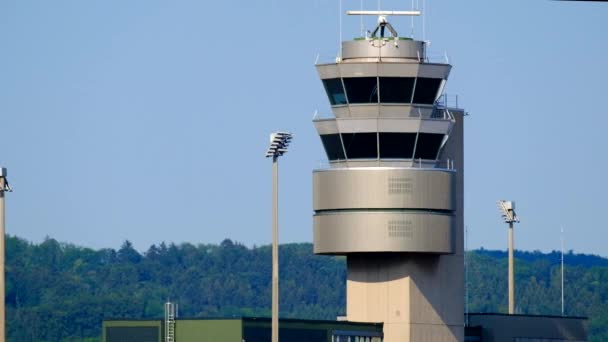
491,327
249,329
483,328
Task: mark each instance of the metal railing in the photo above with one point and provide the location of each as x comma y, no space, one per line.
413,163
326,59
437,58
432,57
317,116
447,101
439,113
442,114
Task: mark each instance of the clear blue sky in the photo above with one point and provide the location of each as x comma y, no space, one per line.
148,120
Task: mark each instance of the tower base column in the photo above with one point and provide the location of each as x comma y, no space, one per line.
408,294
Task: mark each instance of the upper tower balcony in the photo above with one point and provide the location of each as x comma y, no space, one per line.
383,77
385,98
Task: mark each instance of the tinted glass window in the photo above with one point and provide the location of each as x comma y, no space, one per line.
128,334
362,89
360,145
396,89
428,145
397,145
333,146
263,334
426,90
335,91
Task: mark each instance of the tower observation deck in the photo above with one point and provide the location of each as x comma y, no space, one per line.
391,199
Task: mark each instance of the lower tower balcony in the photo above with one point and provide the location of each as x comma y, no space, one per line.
384,209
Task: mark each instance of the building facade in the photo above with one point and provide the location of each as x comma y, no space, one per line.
247,329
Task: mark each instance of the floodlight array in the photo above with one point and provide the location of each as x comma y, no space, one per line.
279,141
507,211
6,187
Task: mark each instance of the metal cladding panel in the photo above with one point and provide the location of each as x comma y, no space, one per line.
389,69
364,110
218,330
397,110
384,188
328,71
357,125
411,49
398,69
402,125
436,126
434,70
372,231
359,69
342,111
329,126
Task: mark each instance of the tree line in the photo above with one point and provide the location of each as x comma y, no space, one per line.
62,292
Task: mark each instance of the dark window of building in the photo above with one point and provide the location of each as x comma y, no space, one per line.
396,89
333,146
335,91
361,89
360,145
428,145
263,334
473,334
129,334
426,90
397,145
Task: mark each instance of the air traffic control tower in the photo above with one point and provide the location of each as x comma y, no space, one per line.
391,199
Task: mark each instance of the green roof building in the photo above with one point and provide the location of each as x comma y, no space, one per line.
246,329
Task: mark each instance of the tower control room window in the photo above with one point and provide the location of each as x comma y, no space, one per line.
335,91
426,90
361,89
427,146
397,145
360,145
396,89
333,146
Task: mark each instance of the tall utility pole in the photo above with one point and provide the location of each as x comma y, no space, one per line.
562,238
275,249
278,146
507,209
4,187
466,276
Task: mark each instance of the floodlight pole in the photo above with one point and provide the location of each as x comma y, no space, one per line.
275,248
507,209
4,187
511,275
278,146
562,261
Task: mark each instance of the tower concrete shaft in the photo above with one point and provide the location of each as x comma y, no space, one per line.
391,199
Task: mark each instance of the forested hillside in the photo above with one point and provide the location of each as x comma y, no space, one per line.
61,292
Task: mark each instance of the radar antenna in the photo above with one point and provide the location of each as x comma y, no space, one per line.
383,22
